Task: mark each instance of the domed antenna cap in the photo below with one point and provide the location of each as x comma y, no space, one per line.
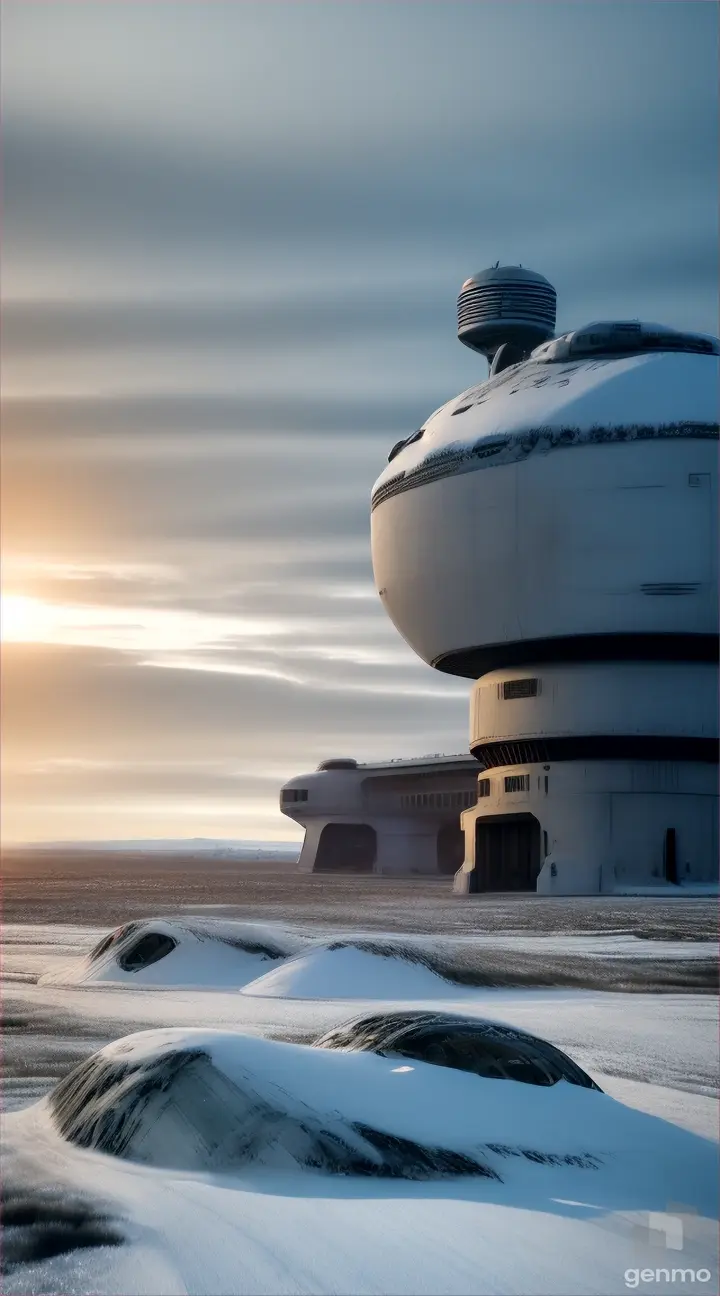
508,307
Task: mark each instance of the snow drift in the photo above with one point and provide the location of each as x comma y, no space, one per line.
220,1101
194,953
354,970
266,959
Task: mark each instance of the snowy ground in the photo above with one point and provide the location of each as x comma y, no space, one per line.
556,1231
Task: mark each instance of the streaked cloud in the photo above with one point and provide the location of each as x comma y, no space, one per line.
232,239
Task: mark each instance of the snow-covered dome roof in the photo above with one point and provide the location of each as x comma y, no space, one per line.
560,398
534,516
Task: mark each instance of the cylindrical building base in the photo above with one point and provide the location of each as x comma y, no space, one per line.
587,828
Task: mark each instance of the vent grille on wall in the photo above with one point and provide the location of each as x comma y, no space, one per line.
641,747
519,688
517,783
517,753
437,800
483,788
531,301
667,588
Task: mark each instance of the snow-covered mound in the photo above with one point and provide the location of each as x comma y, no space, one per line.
193,953
353,970
199,1100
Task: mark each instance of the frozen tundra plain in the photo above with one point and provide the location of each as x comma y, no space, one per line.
620,1188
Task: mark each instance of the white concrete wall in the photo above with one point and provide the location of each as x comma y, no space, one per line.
405,846
557,544
408,845
606,821
330,792
650,698
406,841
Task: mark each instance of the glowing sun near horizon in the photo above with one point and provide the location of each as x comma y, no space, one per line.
24,619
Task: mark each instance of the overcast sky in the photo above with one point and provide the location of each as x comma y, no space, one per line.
233,237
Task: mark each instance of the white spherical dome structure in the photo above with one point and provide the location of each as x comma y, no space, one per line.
563,515
558,500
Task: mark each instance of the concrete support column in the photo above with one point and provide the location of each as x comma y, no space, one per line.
407,846
306,862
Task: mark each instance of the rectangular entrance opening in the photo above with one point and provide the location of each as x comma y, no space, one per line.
507,853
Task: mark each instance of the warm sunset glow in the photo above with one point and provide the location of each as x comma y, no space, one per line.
26,620
228,282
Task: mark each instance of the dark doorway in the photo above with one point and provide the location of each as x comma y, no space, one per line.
507,853
670,856
450,848
346,848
